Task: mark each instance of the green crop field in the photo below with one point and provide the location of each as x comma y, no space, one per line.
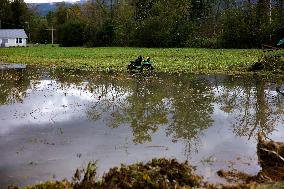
117,58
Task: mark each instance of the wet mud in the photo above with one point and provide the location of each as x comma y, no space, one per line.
270,157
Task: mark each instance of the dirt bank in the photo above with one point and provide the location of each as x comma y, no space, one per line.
271,159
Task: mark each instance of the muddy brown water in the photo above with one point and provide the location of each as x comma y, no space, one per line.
53,121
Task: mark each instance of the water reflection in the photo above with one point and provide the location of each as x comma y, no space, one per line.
184,103
191,110
123,118
255,105
143,109
149,103
13,86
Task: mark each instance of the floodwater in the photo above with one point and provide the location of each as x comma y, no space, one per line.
53,121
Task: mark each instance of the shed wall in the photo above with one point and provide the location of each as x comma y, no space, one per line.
12,43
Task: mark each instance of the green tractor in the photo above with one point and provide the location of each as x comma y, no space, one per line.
140,64
280,42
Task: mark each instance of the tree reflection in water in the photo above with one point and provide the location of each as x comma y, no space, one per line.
13,86
191,110
141,106
182,104
254,104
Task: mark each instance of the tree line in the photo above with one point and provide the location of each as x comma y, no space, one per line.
152,23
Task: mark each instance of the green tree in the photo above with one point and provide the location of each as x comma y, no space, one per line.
99,27
71,34
241,28
5,14
159,23
61,14
124,23
263,11
20,13
162,23
42,35
50,18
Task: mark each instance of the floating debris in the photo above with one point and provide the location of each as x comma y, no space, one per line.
7,66
163,173
157,173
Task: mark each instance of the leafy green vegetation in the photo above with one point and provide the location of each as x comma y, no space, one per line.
117,58
157,173
270,61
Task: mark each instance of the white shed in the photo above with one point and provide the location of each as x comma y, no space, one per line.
13,38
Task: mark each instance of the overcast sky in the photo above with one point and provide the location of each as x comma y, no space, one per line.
47,1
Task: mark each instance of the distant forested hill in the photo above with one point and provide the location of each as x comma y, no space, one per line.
44,8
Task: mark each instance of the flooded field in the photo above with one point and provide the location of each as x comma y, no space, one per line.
53,121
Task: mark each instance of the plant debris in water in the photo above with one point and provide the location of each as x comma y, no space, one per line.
157,173
269,61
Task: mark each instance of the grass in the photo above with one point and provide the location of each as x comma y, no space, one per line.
116,58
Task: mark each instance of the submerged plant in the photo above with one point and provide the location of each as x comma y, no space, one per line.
158,173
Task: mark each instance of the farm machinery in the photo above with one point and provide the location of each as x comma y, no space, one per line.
140,64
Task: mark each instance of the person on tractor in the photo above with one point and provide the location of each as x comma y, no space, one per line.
138,61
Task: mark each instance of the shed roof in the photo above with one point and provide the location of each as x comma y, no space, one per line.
13,33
